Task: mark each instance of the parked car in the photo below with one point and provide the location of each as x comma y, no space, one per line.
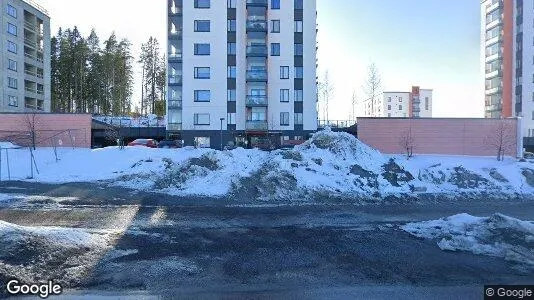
150,143
169,144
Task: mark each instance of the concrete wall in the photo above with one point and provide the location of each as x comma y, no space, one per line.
438,136
65,130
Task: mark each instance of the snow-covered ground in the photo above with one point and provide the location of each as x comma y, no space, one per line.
497,235
330,164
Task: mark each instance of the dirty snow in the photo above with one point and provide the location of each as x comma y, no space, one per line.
497,235
329,164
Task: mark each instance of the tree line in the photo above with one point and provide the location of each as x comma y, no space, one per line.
98,78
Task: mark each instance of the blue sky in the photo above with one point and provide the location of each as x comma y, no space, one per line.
431,43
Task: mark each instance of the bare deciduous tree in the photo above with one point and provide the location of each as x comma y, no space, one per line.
407,142
30,122
502,138
354,103
113,135
326,92
372,87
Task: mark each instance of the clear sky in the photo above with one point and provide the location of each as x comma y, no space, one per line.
431,43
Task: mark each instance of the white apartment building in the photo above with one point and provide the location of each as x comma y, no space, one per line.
241,71
414,104
25,57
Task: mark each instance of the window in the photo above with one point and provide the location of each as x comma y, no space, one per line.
533,115
389,99
11,29
299,4
389,107
230,118
11,47
284,95
202,26
275,26
400,107
202,3
12,83
202,73
12,65
275,49
427,103
231,48
275,4
232,25
298,26
284,72
11,11
202,142
230,3
299,95
232,95
202,49
232,70
284,119
202,96
389,115
400,99
299,118
299,72
299,49
202,119
13,101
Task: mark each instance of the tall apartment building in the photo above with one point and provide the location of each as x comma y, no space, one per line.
25,57
241,71
507,39
414,104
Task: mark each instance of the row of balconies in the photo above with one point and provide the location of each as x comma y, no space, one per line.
250,125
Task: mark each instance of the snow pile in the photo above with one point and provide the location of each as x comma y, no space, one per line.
497,235
8,145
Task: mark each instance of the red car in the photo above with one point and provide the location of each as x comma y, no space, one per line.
150,143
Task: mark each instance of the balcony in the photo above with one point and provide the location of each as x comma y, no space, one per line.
257,125
257,26
493,74
175,57
493,56
493,23
175,104
174,126
257,101
175,35
493,40
257,3
493,6
175,79
257,51
175,11
30,42
257,75
494,90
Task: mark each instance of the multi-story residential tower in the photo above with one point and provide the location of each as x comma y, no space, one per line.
25,57
414,104
241,72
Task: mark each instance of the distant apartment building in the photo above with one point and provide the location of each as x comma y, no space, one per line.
241,70
25,57
414,104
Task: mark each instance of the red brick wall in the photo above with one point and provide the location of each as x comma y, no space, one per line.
436,136
65,130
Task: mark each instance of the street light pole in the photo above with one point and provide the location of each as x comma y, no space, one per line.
222,120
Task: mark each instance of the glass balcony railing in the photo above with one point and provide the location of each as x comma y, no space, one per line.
254,100
261,125
174,126
175,104
175,57
175,79
257,75
257,3
257,51
256,26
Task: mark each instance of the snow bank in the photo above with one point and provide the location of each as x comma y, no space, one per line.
329,165
8,145
497,235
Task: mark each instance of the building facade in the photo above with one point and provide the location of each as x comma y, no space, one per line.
414,104
25,57
241,71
